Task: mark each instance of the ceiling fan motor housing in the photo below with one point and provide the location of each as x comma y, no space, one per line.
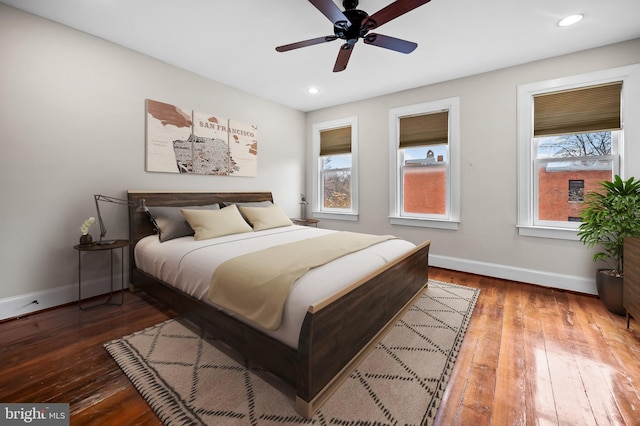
356,29
350,4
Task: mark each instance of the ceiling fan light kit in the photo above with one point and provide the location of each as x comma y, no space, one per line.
353,24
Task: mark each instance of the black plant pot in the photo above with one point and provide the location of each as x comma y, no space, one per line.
610,291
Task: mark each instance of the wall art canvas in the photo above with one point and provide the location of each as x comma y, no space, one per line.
185,141
210,145
166,125
243,148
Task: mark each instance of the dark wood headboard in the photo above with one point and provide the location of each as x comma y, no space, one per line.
140,226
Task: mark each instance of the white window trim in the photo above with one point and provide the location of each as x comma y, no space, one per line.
452,220
316,200
630,76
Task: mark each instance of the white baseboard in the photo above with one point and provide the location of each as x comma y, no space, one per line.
23,304
531,276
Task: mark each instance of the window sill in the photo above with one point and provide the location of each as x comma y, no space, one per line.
350,217
547,232
424,223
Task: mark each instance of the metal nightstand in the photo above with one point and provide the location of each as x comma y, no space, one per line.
94,247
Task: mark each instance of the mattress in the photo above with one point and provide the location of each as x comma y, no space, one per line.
188,265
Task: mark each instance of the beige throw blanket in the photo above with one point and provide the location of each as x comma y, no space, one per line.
256,285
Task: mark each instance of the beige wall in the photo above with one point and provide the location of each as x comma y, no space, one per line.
72,124
487,241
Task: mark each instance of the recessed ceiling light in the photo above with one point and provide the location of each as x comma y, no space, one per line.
313,90
570,20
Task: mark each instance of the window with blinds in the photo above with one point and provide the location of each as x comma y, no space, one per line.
335,169
425,186
581,110
335,141
575,133
423,143
424,130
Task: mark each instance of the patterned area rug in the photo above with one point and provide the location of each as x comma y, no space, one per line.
189,380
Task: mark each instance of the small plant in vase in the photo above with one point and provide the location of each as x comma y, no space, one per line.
610,215
85,238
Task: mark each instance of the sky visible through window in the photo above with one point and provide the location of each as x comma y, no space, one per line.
337,161
421,152
547,147
574,145
344,161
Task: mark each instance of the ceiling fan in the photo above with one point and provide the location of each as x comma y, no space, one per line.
353,24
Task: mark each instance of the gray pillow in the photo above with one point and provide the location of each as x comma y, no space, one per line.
170,223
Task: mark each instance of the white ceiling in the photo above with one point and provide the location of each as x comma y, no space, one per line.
233,41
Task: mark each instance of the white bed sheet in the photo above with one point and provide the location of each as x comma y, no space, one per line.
189,265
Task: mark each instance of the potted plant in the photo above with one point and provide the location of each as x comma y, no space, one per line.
85,238
611,214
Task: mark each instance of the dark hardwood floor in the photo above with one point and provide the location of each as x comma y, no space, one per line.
535,355
531,355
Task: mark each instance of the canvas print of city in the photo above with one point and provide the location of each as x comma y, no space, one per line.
180,140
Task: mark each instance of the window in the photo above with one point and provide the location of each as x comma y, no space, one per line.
576,191
424,164
569,166
570,137
335,169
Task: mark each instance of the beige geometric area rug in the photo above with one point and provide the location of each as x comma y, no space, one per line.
188,379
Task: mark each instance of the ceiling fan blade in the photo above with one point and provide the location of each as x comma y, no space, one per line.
343,57
392,11
392,43
331,11
305,43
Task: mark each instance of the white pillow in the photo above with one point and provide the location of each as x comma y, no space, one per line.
266,217
215,223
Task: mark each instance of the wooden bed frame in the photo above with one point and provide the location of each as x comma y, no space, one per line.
337,333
